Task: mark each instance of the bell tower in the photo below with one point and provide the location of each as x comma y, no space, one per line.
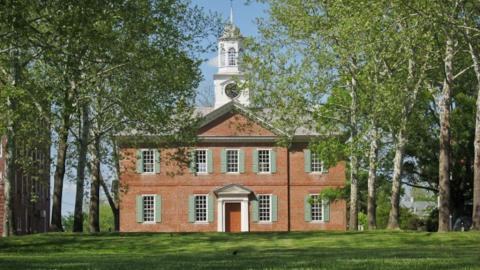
229,71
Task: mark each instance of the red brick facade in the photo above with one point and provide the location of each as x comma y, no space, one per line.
31,201
175,183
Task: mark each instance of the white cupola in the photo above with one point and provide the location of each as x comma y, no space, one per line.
225,80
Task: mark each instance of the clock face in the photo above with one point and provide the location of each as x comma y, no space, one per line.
231,90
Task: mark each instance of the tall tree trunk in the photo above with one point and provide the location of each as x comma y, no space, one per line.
444,155
116,183
372,175
9,226
112,203
476,168
396,181
353,224
82,159
62,148
94,214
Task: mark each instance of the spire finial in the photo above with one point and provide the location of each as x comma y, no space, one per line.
231,11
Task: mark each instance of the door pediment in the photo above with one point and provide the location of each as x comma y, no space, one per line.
233,189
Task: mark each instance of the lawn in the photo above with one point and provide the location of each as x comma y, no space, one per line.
299,250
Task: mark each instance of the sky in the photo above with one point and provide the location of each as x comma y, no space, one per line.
244,18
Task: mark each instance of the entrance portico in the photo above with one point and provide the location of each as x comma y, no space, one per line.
228,199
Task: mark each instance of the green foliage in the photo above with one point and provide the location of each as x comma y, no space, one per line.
106,220
333,194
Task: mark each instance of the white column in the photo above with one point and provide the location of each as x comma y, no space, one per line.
220,215
244,215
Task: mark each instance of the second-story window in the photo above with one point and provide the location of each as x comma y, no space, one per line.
232,57
264,161
317,164
148,161
232,161
201,161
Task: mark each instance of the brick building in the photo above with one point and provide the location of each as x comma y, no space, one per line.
237,177
31,189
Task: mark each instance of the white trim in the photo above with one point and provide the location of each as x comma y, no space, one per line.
143,161
206,161
269,160
195,209
238,160
269,221
244,214
323,210
154,209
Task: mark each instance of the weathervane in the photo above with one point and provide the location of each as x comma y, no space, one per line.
231,11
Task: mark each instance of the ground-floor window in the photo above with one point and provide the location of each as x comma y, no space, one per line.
148,208
316,207
201,208
264,208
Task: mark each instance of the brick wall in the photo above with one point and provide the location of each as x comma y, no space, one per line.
175,183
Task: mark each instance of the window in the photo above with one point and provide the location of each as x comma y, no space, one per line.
200,208
232,55
201,161
264,161
148,208
148,161
232,161
317,164
316,208
264,208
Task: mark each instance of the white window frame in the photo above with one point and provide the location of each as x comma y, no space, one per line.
143,160
206,160
238,160
154,208
195,208
322,206
232,55
269,160
322,168
269,209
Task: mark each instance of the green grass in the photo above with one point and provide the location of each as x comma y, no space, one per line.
302,250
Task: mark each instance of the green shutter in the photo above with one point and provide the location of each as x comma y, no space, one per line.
255,210
241,161
307,209
326,211
274,208
273,161
209,161
192,161
157,160
210,208
255,161
139,209
307,154
158,208
223,161
191,208
139,161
